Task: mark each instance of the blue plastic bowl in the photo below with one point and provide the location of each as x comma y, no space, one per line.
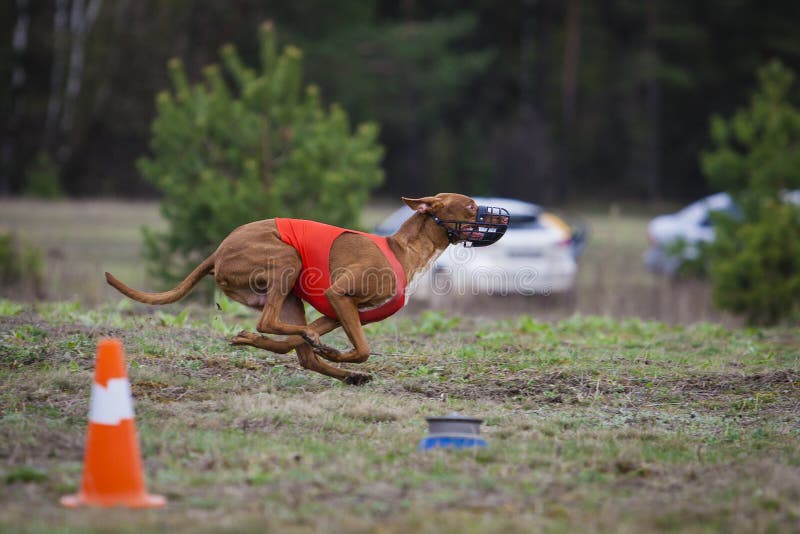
451,442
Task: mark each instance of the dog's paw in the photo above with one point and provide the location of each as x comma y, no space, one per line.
327,352
312,338
242,338
357,379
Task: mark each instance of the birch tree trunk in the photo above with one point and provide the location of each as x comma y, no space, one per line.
20,44
72,23
82,19
60,46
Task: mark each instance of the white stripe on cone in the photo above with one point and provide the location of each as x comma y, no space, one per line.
111,404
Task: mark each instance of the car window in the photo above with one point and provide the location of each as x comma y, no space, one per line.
732,210
524,222
696,211
701,211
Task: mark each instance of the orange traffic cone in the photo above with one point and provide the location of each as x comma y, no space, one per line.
112,470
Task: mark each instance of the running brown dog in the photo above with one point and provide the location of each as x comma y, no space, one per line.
261,268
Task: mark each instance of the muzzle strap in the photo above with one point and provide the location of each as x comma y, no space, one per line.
452,236
489,226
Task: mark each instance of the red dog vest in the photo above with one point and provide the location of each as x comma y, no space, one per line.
313,242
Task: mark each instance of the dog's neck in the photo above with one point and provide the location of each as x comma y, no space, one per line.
417,243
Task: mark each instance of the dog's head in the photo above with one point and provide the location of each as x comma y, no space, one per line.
462,218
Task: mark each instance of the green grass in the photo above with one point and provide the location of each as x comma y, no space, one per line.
79,240
593,424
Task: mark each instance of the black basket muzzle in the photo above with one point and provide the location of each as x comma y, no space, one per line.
489,226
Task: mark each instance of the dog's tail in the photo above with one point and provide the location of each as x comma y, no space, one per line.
166,297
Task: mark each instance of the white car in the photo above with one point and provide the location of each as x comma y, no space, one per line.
677,238
537,255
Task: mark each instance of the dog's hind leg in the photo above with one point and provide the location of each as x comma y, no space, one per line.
278,346
272,316
293,313
321,326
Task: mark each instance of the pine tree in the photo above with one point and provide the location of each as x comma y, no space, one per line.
246,145
755,259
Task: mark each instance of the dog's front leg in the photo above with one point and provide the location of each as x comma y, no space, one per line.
347,311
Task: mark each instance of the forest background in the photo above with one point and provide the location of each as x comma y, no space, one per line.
545,100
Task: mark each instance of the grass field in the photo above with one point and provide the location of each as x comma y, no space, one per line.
79,240
593,425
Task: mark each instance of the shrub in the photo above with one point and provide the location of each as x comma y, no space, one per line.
755,259
21,268
42,178
246,145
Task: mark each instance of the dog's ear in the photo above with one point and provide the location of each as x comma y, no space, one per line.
424,204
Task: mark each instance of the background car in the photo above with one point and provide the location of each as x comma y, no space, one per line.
537,255
677,238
